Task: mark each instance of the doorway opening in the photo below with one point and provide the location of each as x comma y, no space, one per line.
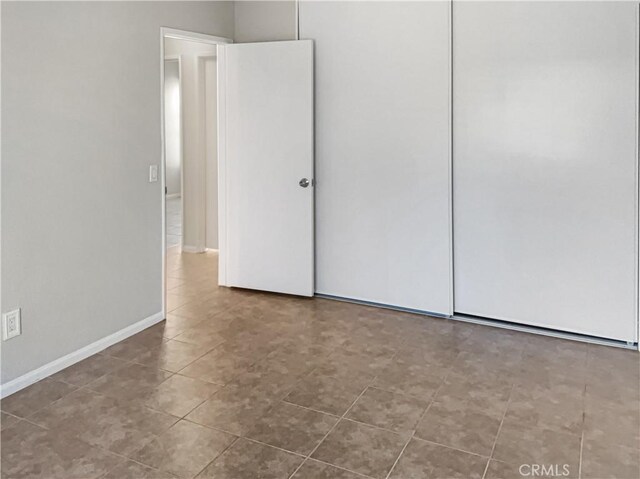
189,153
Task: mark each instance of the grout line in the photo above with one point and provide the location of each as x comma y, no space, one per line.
288,451
127,458
341,468
373,426
452,448
584,414
244,436
495,441
406,444
215,428
231,444
580,459
334,426
422,416
9,414
311,409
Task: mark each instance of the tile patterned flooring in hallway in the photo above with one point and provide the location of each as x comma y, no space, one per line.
238,384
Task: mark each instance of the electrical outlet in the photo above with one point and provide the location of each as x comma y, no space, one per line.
11,324
153,173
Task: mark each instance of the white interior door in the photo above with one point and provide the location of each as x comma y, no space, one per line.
545,164
266,166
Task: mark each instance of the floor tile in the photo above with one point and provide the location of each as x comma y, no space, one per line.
217,366
506,364
78,404
328,335
117,425
361,448
201,333
292,428
437,333
234,410
35,397
388,410
537,347
488,393
179,395
521,444
327,394
623,360
297,361
460,425
550,373
206,309
495,341
370,342
88,370
423,460
7,420
312,469
174,301
133,470
616,425
609,460
358,362
172,355
29,451
124,429
611,394
265,378
547,361
184,449
133,381
174,283
294,349
502,470
559,407
417,380
132,347
174,325
437,353
246,459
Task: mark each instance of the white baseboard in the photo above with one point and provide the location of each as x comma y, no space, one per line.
192,249
59,364
172,196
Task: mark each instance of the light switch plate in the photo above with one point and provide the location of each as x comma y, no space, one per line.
11,324
153,173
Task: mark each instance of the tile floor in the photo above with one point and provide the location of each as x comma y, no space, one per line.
237,385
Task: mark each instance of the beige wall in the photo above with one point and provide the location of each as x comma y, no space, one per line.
81,225
264,21
211,153
173,154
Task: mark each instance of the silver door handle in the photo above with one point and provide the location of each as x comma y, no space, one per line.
304,182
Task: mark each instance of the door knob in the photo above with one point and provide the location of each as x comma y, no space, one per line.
304,182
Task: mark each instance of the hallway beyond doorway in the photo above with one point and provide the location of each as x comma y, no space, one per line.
174,222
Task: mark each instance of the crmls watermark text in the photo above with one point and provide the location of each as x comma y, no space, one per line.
546,470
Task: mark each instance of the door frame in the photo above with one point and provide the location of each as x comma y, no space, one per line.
222,167
168,32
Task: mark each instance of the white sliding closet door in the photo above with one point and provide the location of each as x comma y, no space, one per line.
545,164
382,88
